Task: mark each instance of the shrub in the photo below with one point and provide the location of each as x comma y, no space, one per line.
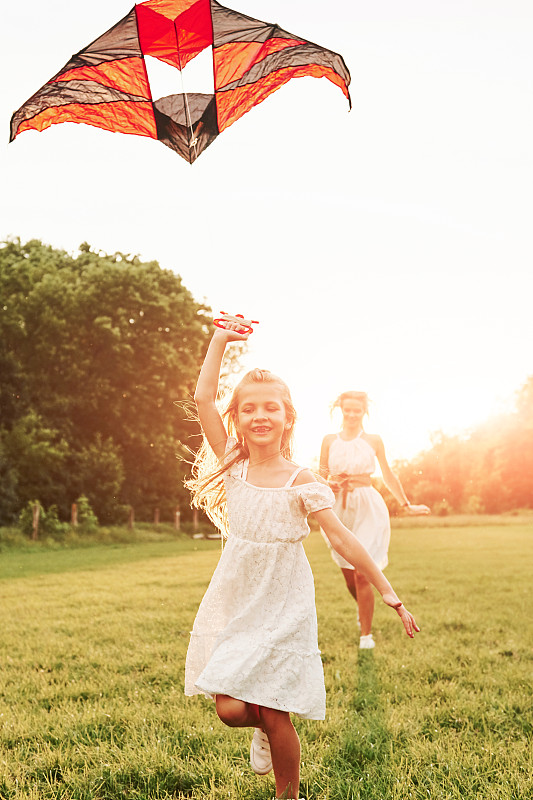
474,505
87,519
442,508
49,523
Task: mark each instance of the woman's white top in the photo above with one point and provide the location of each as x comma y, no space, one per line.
366,513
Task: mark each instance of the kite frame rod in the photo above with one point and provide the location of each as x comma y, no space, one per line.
185,97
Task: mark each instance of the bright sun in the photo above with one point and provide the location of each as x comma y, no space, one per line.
405,427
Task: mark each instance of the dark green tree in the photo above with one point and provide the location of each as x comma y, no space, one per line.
95,350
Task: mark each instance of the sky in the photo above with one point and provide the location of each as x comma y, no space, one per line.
387,249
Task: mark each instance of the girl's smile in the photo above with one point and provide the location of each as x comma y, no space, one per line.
261,415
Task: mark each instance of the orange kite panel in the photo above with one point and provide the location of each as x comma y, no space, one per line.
125,74
233,60
232,104
122,117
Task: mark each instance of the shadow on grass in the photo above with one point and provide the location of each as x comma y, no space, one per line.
359,763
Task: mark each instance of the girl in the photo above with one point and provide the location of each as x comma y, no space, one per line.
347,460
254,647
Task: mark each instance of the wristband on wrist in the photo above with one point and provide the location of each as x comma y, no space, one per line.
397,605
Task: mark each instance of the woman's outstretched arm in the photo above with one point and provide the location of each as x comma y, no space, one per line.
393,483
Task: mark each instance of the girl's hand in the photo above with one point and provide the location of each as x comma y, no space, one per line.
409,622
231,333
232,325
416,511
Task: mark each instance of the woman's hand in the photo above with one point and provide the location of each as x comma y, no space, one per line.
416,511
409,622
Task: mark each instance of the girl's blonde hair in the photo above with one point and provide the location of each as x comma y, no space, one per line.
207,482
361,396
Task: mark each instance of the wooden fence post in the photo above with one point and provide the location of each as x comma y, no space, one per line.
195,519
74,514
177,518
131,518
35,521
156,516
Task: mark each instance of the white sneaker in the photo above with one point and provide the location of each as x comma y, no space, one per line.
367,642
260,757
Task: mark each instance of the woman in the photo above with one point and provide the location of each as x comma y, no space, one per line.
347,461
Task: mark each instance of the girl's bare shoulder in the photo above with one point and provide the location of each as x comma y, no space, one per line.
306,476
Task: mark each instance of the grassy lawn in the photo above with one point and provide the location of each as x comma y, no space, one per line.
92,649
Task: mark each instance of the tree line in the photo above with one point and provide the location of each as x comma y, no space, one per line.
489,470
95,350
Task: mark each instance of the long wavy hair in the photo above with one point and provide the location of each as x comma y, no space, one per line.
207,482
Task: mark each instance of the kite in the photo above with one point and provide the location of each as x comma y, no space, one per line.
245,325
107,85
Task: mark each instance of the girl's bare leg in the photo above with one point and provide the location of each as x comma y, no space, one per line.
285,750
365,600
284,741
237,713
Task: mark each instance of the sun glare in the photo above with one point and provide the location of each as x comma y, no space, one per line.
406,424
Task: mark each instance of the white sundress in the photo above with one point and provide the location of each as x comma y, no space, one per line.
366,513
255,634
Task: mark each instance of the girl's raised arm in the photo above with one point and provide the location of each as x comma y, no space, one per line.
207,388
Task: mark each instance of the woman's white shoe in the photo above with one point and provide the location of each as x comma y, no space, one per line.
367,642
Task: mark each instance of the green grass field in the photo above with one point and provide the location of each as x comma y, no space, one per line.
92,649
